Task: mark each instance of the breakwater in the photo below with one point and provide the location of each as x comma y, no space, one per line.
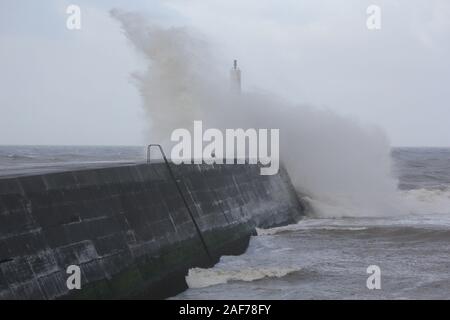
132,231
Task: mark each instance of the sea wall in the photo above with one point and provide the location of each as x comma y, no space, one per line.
128,228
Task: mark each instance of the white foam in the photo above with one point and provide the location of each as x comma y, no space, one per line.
426,201
201,278
416,202
295,227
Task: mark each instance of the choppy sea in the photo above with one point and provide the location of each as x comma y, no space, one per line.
318,258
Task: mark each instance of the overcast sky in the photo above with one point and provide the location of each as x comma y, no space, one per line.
73,87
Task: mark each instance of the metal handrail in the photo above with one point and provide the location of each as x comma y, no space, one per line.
172,175
160,149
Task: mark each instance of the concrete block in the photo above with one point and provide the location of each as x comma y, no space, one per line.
30,290
10,186
54,284
110,243
17,270
43,263
59,181
33,184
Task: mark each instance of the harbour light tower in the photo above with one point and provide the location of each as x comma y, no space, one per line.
235,78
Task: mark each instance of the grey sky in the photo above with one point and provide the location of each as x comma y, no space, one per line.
73,87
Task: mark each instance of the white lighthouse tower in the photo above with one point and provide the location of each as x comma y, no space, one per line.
235,78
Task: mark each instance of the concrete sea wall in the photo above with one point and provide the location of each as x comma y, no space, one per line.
128,228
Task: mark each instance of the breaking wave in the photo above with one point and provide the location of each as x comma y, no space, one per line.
201,278
427,201
295,227
336,161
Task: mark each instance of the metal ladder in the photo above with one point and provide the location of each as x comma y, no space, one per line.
175,180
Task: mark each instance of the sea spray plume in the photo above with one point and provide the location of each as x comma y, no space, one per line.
176,81
342,168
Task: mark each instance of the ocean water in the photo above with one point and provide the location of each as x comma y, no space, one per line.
318,258
16,160
328,258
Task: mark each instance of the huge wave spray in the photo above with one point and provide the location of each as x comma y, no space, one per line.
339,166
